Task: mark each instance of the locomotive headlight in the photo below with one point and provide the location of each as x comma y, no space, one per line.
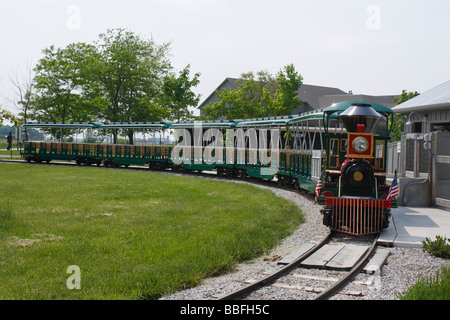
360,144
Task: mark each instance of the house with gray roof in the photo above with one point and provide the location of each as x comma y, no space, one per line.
424,151
429,111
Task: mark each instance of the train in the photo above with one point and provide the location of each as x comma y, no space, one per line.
338,154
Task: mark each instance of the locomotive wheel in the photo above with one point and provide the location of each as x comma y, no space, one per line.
108,163
327,217
242,174
220,172
230,173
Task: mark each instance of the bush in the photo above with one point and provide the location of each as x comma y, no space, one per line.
439,247
433,288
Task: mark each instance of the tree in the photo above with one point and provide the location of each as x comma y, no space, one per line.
121,77
178,95
405,96
129,71
286,97
61,83
7,115
260,97
24,94
398,122
247,101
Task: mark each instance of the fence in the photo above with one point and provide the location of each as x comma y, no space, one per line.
440,181
424,156
393,158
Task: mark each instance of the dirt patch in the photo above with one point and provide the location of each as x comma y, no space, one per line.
37,238
23,243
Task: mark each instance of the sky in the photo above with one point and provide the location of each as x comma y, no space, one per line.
376,47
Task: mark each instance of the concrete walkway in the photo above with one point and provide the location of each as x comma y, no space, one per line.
410,225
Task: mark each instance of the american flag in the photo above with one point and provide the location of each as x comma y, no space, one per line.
318,188
393,190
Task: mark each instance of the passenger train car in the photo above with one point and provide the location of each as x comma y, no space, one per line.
338,153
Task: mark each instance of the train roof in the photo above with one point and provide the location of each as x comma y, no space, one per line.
63,124
283,120
98,125
206,124
269,121
136,125
311,115
332,112
339,107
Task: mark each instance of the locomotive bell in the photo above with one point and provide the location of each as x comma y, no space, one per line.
360,114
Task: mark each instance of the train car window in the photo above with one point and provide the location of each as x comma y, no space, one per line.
334,153
344,145
379,154
381,127
334,147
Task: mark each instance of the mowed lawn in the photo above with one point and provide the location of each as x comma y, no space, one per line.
133,234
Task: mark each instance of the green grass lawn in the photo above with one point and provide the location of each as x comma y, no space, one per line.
7,153
134,235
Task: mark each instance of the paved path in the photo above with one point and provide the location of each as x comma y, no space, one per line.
410,225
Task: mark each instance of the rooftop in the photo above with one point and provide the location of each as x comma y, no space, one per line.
436,98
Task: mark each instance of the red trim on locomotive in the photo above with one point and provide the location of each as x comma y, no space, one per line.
363,202
358,216
352,153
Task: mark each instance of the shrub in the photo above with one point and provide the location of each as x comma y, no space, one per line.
439,247
432,288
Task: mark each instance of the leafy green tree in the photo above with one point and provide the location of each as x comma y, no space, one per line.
286,96
60,84
405,96
399,123
258,97
121,77
7,115
178,95
249,100
129,71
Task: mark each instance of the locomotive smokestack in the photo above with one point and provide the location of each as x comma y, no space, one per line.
360,114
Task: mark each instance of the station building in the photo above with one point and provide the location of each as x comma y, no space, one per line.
422,157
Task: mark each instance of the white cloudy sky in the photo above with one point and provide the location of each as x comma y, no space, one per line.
373,47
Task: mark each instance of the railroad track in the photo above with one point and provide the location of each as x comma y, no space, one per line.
280,279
